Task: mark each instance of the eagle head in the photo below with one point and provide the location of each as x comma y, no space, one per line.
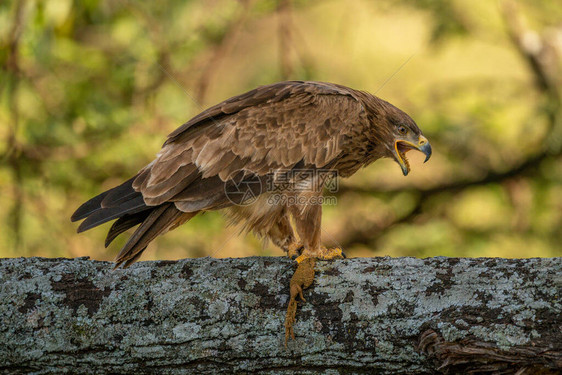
402,135
405,140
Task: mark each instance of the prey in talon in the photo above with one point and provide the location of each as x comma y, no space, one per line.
242,154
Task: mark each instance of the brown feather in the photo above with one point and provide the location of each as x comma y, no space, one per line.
157,222
123,223
167,190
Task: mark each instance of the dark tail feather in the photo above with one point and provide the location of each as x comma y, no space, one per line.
128,206
120,194
109,198
158,221
106,214
124,223
128,262
89,207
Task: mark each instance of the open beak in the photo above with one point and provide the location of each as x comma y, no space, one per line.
402,146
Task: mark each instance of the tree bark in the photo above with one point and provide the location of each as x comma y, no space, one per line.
362,315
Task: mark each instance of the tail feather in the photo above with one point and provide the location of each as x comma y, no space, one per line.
120,194
89,207
107,214
109,198
158,221
127,205
128,262
124,223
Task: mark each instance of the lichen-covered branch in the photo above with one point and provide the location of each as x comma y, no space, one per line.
363,315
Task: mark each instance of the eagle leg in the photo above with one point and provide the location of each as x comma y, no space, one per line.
282,235
308,221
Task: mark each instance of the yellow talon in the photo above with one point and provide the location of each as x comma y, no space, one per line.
322,254
294,249
335,253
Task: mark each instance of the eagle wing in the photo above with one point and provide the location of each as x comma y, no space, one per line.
271,128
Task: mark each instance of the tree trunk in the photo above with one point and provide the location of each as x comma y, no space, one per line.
363,315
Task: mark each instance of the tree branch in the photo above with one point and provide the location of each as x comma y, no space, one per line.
363,315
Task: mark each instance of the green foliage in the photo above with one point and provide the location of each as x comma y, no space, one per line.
89,90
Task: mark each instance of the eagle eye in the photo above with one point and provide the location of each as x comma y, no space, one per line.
402,130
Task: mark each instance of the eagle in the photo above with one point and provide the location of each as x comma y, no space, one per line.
278,140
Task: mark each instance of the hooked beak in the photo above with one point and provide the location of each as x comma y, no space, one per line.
402,146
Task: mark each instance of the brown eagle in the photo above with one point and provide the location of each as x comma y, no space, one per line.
236,154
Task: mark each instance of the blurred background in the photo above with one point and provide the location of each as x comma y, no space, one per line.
89,90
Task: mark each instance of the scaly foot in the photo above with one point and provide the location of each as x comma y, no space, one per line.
294,250
322,253
302,279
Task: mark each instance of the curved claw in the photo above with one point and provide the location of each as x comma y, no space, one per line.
294,250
